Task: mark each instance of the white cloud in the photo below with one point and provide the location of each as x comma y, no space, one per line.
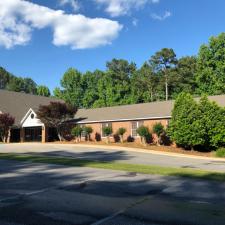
122,7
18,18
161,17
73,3
135,22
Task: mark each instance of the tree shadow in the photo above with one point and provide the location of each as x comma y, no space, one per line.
19,178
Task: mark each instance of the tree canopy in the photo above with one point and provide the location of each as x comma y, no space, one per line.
164,76
56,114
197,124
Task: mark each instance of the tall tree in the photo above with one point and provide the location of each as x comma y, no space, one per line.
29,86
119,72
19,84
42,90
183,76
90,87
211,66
72,91
163,61
5,76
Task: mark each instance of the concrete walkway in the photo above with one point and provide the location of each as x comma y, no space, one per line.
113,154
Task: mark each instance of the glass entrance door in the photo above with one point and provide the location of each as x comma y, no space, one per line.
33,134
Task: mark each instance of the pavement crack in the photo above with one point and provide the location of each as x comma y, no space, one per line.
101,221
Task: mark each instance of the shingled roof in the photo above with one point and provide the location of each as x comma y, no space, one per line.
151,110
17,104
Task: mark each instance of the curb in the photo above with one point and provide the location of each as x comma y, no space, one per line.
137,150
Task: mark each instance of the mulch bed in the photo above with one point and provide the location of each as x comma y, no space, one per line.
172,149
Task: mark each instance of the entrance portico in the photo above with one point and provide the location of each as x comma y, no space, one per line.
32,129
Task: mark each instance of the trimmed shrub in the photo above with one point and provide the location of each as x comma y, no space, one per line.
220,152
107,131
197,125
76,132
121,131
88,131
159,130
213,123
144,133
185,128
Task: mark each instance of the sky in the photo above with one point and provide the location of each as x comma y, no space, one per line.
41,39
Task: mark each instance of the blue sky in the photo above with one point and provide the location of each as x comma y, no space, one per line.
42,42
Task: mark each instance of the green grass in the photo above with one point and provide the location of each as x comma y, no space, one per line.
220,153
145,169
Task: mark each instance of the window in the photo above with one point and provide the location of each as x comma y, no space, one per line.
134,126
32,116
105,125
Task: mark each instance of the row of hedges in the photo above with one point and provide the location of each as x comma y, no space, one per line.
143,132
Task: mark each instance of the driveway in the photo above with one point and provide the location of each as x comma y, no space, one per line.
42,194
117,155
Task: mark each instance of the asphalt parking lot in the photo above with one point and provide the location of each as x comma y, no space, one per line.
42,194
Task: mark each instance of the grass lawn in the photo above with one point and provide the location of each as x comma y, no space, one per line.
145,169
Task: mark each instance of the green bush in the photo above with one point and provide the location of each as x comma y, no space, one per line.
107,131
197,124
220,152
185,126
88,131
121,131
76,131
158,129
144,133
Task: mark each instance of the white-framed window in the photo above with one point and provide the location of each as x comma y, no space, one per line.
103,126
134,126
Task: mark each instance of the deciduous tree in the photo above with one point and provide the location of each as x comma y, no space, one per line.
6,122
163,61
56,115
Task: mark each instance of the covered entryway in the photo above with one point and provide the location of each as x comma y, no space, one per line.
33,134
32,129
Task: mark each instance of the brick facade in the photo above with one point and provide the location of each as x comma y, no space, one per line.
97,129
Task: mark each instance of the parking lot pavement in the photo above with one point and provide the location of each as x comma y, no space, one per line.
42,194
114,155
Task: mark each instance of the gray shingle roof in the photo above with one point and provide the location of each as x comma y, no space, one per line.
151,110
18,104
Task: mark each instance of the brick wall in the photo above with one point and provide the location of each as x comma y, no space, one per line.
128,125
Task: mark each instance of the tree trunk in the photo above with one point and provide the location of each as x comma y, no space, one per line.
5,136
9,136
151,96
166,85
121,138
58,133
107,140
143,140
